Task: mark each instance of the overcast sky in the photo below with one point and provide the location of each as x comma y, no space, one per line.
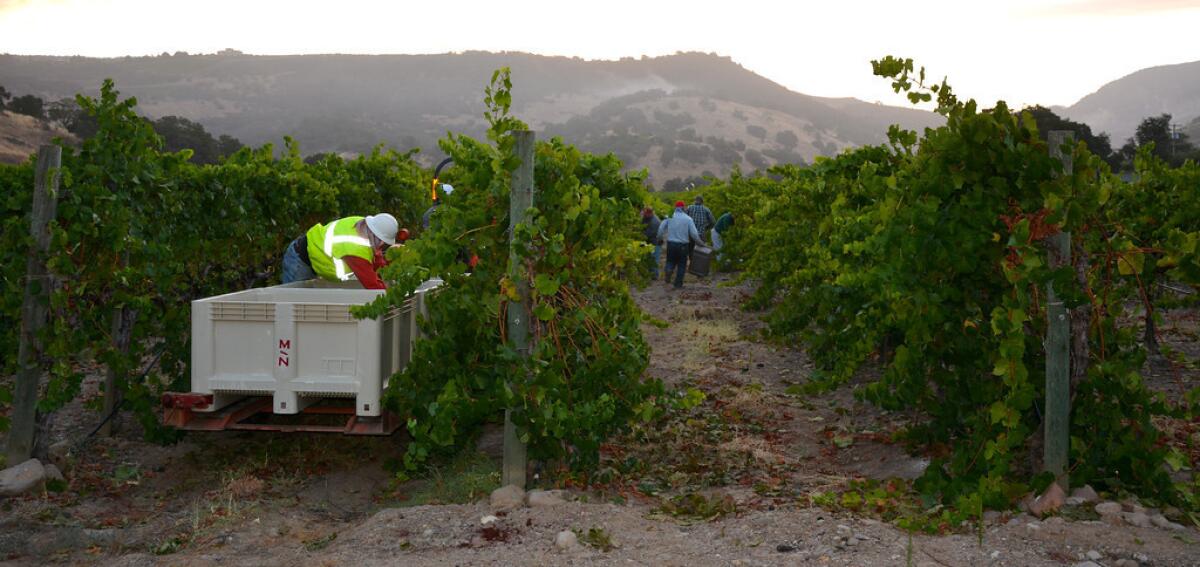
1021,51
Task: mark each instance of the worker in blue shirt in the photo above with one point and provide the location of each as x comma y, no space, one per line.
680,232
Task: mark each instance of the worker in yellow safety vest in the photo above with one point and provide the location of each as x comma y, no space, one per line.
347,248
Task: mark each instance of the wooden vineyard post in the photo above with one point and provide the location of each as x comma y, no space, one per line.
22,435
520,199
1057,444
122,331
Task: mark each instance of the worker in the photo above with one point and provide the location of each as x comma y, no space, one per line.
724,222
702,215
680,233
650,224
346,248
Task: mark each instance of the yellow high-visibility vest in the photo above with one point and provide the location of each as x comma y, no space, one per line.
328,244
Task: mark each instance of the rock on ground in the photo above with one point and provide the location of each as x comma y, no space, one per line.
508,497
1162,522
60,454
1108,509
1139,519
52,473
1086,494
1050,500
566,540
22,478
1132,505
544,498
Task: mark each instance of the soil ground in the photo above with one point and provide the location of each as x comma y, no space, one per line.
754,450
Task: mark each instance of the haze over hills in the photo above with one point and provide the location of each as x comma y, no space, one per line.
1119,106
678,116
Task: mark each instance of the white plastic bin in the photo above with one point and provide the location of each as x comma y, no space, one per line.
299,344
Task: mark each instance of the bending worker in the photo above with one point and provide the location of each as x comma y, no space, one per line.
346,248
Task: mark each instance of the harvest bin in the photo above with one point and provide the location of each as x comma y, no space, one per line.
298,344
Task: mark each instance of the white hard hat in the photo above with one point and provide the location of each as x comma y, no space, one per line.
384,226
447,189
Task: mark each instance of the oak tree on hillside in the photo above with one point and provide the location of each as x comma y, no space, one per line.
1170,145
180,133
227,145
1098,144
66,111
29,105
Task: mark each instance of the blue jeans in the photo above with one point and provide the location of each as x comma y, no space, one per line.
294,268
677,258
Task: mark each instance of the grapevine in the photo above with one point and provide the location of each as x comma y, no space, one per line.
926,256
583,379
140,232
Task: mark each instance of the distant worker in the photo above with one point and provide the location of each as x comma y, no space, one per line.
723,223
346,248
680,233
702,215
447,190
650,229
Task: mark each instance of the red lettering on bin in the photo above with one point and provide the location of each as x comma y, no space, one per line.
284,345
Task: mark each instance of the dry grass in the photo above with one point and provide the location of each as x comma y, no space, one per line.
756,447
244,486
468,477
702,338
23,134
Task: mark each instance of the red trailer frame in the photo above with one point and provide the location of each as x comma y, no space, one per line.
179,413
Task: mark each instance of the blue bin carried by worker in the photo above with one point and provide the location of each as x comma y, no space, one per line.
701,261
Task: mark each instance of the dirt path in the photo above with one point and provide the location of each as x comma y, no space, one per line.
713,345
754,449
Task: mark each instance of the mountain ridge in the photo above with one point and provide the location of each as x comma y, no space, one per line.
349,103
1120,105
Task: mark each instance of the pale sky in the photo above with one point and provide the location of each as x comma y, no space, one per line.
1021,51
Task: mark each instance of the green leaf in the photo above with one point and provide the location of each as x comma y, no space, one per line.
1130,262
999,412
544,312
546,285
1176,459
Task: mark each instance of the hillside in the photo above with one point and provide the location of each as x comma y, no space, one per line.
678,115
21,135
1119,106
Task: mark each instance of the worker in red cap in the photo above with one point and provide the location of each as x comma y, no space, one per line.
680,232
